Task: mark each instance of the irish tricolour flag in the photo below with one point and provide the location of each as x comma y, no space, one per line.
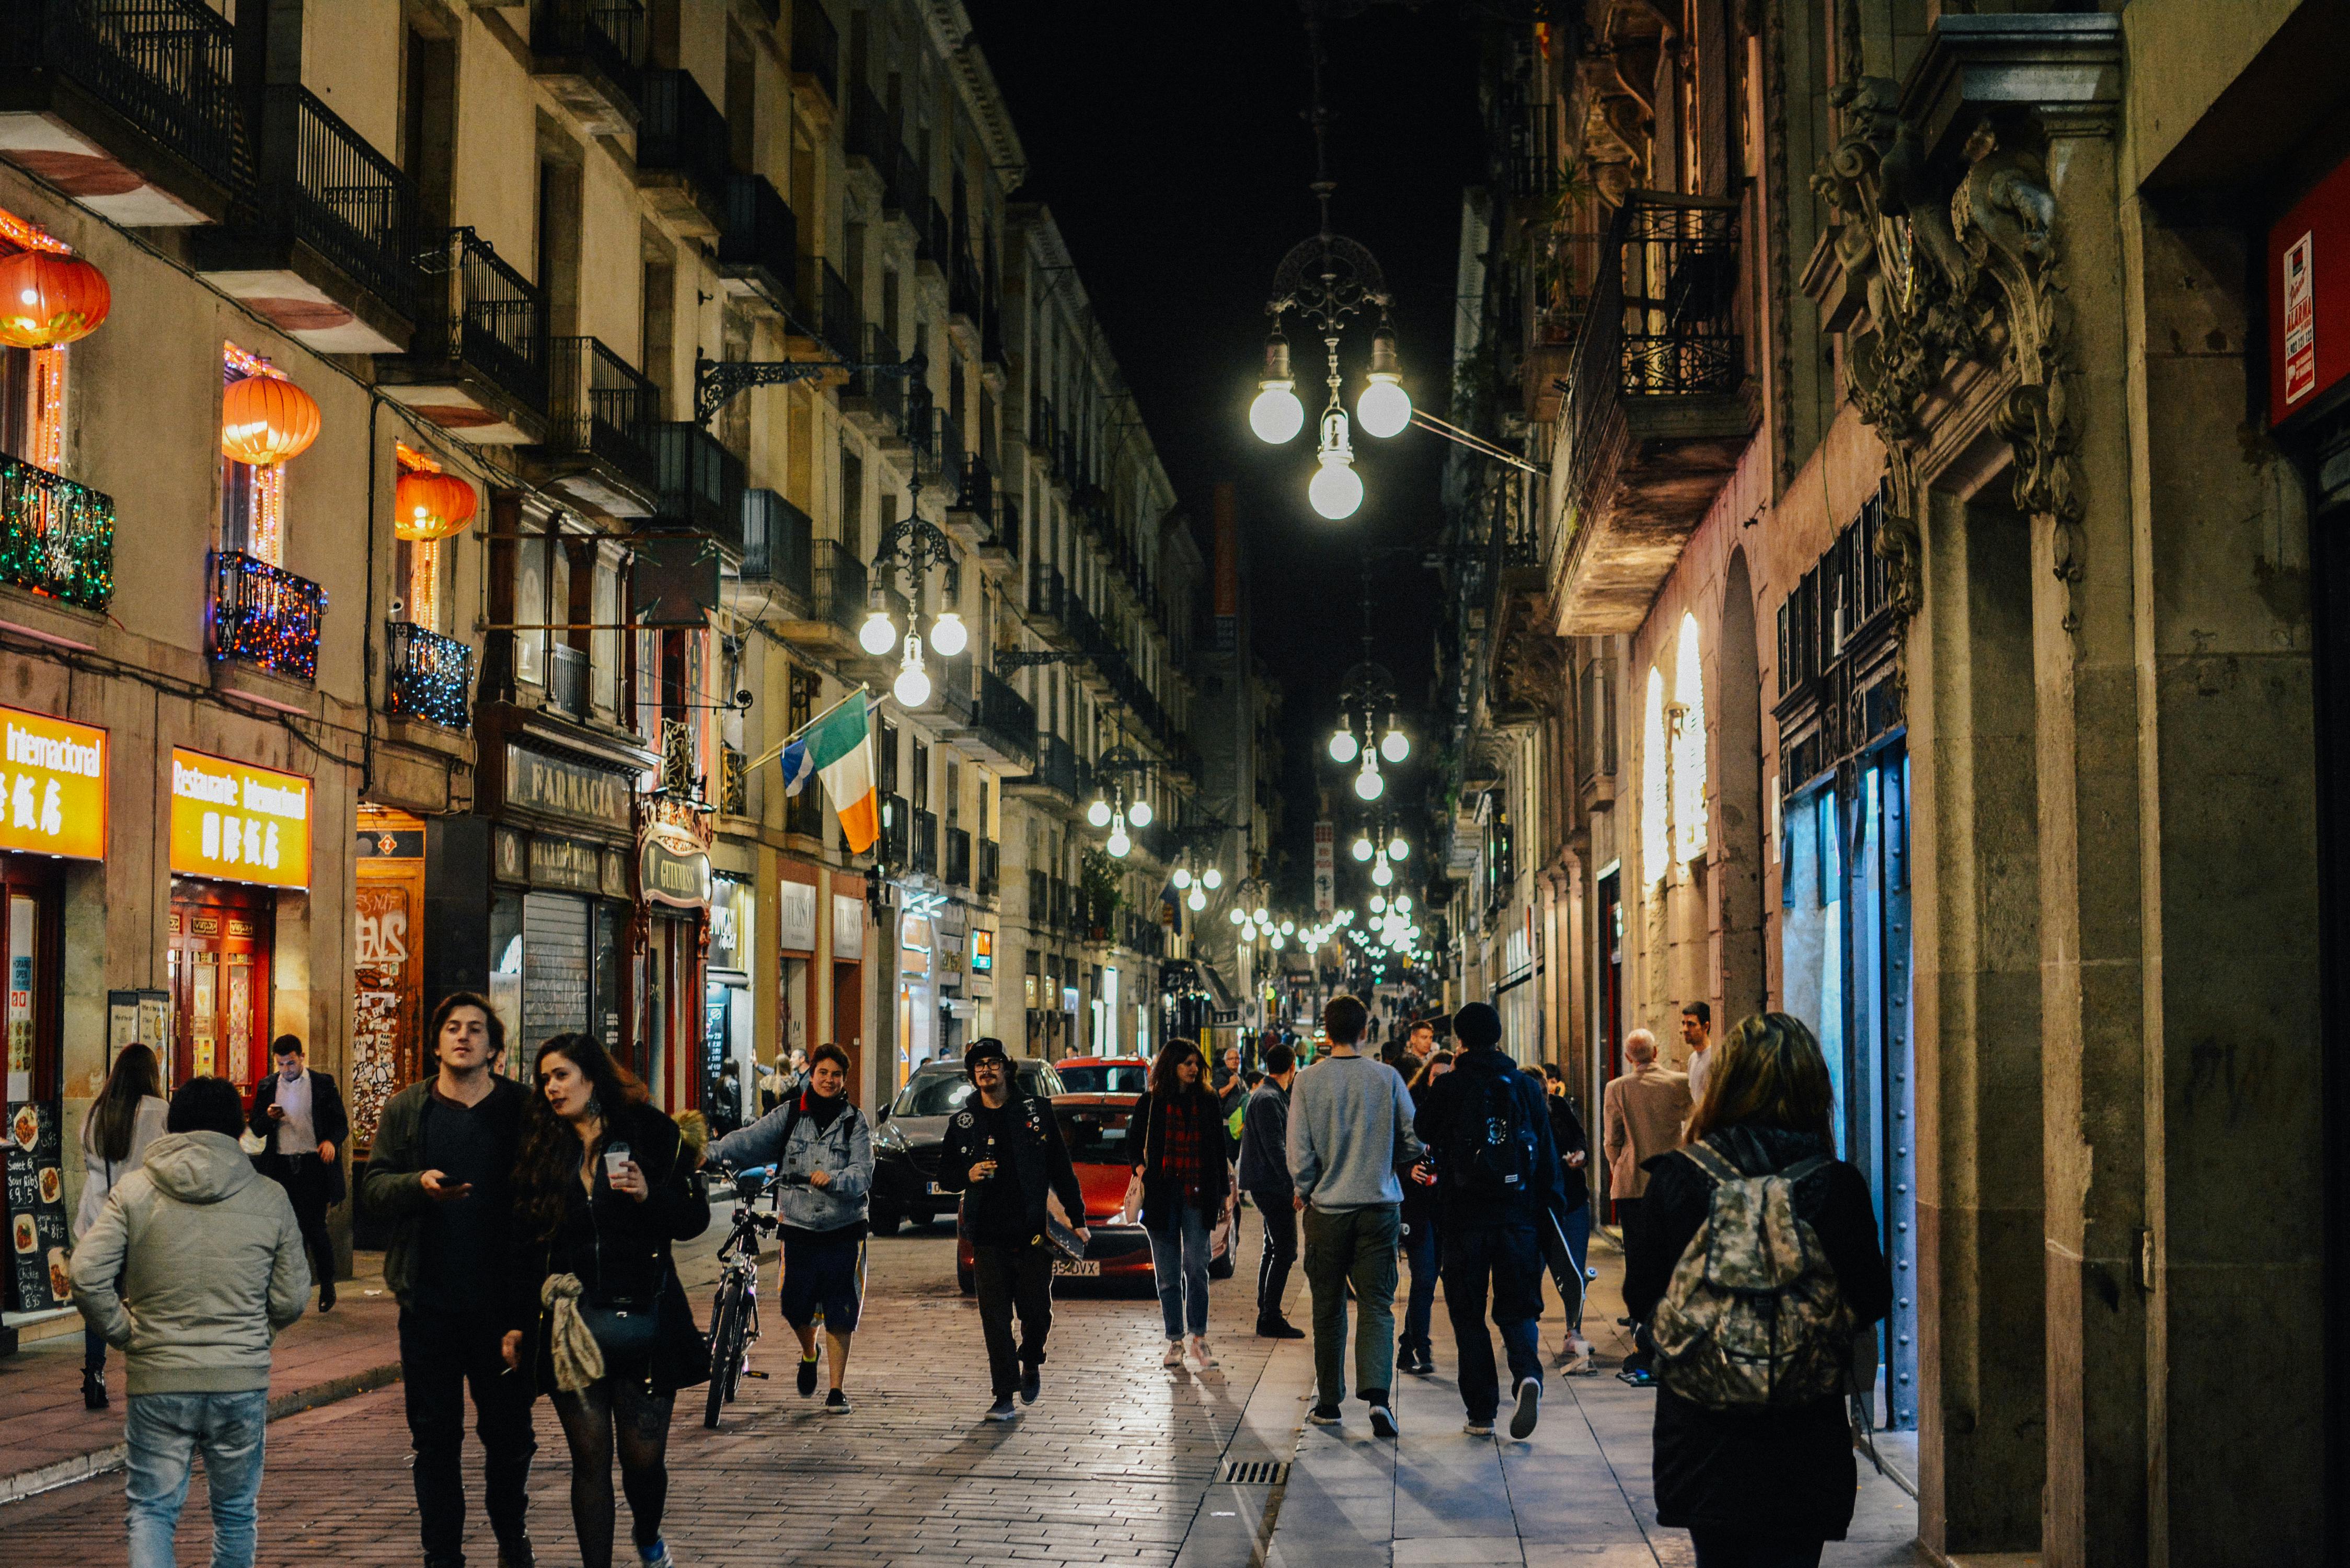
837,746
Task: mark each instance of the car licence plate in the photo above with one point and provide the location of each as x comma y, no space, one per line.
936,1189
1084,1268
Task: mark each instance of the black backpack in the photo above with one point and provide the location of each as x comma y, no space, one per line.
1496,1150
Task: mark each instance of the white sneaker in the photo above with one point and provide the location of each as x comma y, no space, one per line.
1200,1351
1174,1357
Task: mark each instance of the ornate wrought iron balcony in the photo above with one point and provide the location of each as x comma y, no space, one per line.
264,614
427,676
56,537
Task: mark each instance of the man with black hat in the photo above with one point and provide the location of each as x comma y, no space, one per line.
1003,1153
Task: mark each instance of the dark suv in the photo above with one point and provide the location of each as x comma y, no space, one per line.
905,1144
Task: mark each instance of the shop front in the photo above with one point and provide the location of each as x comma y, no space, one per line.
673,890
728,1035
796,885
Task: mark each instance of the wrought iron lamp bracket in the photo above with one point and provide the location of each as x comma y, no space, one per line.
717,382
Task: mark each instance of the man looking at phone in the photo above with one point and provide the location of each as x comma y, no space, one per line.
1004,1152
441,1174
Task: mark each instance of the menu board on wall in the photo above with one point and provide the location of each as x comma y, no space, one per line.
36,1210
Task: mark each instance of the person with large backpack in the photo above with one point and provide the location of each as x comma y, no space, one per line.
1757,1266
1487,1126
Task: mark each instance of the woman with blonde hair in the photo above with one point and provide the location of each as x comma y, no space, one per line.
1761,1486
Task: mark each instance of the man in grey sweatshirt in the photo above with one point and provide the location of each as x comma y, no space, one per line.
1349,1126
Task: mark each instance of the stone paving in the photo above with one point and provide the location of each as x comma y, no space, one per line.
1120,1461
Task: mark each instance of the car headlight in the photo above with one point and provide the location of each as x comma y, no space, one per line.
891,1139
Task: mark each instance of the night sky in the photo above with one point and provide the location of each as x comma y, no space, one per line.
1170,141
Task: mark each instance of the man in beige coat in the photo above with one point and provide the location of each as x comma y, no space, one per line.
1645,1110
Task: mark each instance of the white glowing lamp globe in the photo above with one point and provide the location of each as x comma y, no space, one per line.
1288,927
1403,903
1378,902
1395,745
1182,877
1119,842
1098,812
1260,917
1362,848
912,687
1198,901
1238,918
1343,747
877,636
949,636
1398,848
1382,875
1384,408
1138,814
1368,785
1211,878
1277,415
1337,491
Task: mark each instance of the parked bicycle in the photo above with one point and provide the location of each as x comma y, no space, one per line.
734,1315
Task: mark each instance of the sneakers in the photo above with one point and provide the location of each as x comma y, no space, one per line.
1323,1415
327,1296
517,1554
1200,1353
1638,1376
836,1403
1278,1328
1383,1421
93,1391
1529,1410
656,1555
1031,1380
1415,1361
808,1375
1003,1409
1174,1357
1477,1428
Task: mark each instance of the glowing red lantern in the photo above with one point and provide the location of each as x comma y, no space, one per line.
426,506
266,419
48,300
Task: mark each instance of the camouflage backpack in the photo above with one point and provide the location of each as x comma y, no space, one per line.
1754,1316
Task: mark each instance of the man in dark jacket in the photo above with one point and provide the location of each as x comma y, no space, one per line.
1003,1151
441,1172
1574,1156
298,1113
1264,1177
1498,1167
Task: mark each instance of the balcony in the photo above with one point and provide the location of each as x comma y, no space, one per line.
478,364
991,868
824,319
758,250
896,830
697,483
905,188
127,106
958,872
971,517
875,401
264,616
684,157
816,50
1055,775
594,450
56,537
777,538
872,138
322,242
427,676
567,680
963,288
1006,733
590,55
1658,411
835,601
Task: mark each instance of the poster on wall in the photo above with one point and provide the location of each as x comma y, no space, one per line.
795,917
384,1001
36,1210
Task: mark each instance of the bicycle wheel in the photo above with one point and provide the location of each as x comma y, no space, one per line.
725,1351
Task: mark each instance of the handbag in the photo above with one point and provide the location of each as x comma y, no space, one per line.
625,1333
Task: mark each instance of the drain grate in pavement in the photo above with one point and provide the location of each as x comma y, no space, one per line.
1255,1472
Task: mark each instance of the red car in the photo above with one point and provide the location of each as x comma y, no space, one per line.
1095,1127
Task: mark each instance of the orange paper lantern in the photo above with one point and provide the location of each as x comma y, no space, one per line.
265,420
426,506
48,300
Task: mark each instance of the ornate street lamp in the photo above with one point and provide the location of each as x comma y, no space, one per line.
912,546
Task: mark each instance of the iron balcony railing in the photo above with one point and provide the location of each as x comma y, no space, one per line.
840,586
816,46
682,132
975,486
885,391
958,870
1007,719
760,240
331,190
488,316
827,310
610,35
990,867
871,134
1057,764
957,698
698,482
776,537
603,406
166,67
963,286
427,676
905,186
264,614
566,678
56,537
1007,522
933,240
1530,159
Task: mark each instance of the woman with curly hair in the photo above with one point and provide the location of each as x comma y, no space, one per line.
603,1186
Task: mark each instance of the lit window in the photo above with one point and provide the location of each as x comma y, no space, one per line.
1688,746
1654,850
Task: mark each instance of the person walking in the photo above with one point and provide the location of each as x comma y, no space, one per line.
1420,1214
126,1118
1574,1156
440,1177
1697,1033
604,1186
190,1267
820,1137
1187,1193
1758,1485
298,1116
1003,1151
1420,1044
1349,1124
1264,1177
1644,1113
1489,1129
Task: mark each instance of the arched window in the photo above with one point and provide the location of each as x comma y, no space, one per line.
1655,849
1688,746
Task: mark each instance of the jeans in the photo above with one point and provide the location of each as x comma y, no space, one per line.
1733,1549
1356,1246
1577,1226
441,1353
1419,1250
1509,1259
164,1432
1280,1213
1012,1278
1178,1263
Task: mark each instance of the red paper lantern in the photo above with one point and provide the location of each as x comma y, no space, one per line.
426,506
265,420
48,300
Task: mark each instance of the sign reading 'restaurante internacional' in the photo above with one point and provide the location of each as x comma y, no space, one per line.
52,786
238,823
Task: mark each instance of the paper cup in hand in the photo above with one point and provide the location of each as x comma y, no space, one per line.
616,1155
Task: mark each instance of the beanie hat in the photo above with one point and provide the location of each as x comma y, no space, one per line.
1478,1026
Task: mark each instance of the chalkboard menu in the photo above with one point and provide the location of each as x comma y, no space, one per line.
36,1210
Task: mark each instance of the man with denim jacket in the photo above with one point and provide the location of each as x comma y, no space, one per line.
822,1152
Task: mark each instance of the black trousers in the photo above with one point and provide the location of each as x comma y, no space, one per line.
1013,1279
304,1178
1507,1259
1627,1216
441,1353
1280,1211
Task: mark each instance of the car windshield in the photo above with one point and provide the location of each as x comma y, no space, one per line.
942,1093
1095,1134
1105,1077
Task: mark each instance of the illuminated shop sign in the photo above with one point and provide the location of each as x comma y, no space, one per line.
236,823
52,786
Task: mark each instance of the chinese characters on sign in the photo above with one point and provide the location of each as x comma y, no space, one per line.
238,823
52,786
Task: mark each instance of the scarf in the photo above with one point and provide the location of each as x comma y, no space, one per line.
823,1109
578,1359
